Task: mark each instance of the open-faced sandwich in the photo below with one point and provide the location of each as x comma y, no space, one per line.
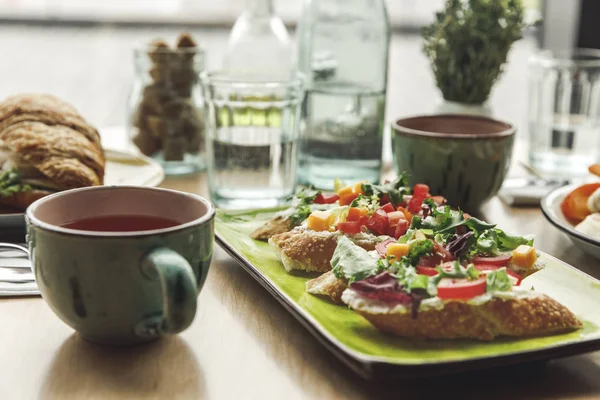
367,214
456,299
45,146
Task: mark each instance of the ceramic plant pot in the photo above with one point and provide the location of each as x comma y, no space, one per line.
464,158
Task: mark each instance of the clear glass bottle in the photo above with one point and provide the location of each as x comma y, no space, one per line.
343,51
259,44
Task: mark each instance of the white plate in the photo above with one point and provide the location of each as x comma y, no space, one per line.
124,168
551,209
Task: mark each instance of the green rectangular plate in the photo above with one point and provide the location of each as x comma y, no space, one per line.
375,355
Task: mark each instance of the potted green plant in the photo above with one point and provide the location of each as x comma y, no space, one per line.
467,46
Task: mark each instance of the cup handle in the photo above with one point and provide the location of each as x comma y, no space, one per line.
179,290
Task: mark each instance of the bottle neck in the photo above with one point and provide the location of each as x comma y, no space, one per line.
260,8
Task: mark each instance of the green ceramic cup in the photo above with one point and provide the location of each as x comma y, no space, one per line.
462,157
121,288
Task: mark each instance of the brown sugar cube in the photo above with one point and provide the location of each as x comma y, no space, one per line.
158,127
174,148
184,78
146,143
174,109
185,40
156,97
160,76
160,52
193,127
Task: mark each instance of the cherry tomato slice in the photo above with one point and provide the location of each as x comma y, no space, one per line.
395,217
326,198
387,208
420,193
401,229
379,222
498,260
349,227
406,213
574,206
382,247
461,289
429,271
514,277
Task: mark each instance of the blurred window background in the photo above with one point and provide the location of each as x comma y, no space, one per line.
404,14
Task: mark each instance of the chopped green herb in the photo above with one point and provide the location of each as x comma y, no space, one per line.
395,190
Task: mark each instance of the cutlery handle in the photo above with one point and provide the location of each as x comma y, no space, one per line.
179,290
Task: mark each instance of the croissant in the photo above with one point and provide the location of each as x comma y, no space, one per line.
45,146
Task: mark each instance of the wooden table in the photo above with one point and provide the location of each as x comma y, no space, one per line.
242,344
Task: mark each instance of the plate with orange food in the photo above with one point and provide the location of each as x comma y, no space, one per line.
575,210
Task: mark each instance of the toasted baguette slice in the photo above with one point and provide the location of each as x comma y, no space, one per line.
527,314
307,250
274,226
328,285
22,200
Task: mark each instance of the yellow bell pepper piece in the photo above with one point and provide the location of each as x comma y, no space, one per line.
345,191
358,188
524,256
320,220
397,250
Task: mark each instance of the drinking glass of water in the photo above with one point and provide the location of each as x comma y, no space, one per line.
564,108
252,139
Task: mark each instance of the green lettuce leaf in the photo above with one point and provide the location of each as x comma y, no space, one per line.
498,281
395,190
352,262
507,242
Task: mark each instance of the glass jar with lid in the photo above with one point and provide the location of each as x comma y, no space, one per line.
166,120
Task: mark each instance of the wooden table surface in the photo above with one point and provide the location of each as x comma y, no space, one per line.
242,344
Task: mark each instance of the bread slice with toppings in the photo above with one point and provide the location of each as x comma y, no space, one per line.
517,314
307,250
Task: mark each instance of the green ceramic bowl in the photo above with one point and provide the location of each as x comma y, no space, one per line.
462,157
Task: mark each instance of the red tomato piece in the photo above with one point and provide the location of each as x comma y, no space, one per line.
498,260
362,220
401,229
420,193
420,189
354,214
515,278
384,200
395,217
388,208
382,247
326,198
429,271
379,222
462,289
349,227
